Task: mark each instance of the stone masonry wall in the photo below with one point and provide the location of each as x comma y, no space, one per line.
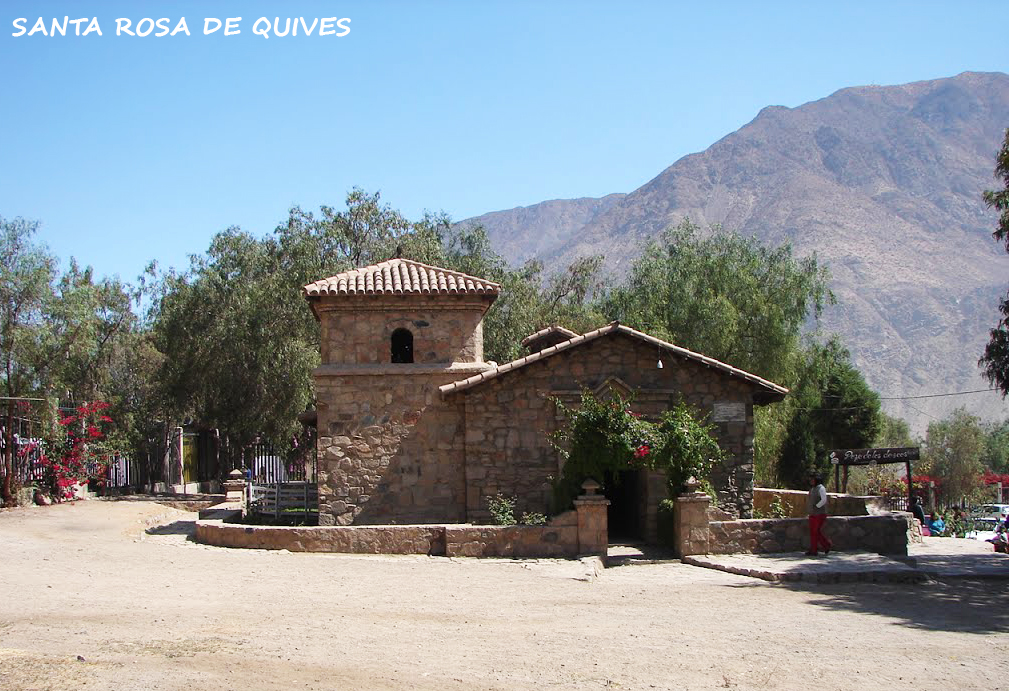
558,539
885,534
510,418
390,449
794,503
358,331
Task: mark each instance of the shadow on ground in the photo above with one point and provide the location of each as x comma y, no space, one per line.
187,528
966,606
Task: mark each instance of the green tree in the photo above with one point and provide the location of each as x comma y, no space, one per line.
953,449
995,360
725,295
57,333
237,341
26,274
995,455
831,408
894,432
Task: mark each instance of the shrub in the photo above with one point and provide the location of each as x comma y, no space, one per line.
502,509
77,454
533,518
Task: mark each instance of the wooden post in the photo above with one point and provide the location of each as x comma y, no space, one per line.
8,499
907,465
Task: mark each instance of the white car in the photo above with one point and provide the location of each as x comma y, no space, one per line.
983,529
996,511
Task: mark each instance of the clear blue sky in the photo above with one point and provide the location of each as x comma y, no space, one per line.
133,149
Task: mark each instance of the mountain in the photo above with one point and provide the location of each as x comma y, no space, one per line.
883,183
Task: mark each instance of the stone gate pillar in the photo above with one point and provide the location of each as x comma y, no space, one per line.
690,521
593,530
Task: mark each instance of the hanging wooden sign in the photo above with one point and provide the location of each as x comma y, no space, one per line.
874,456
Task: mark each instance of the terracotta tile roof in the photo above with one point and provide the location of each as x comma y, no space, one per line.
615,327
559,330
401,277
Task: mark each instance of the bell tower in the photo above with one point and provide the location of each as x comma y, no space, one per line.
390,449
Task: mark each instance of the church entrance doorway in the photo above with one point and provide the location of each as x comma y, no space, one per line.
625,514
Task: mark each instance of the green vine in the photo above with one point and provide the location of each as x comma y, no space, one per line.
604,438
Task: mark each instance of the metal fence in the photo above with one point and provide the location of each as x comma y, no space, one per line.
265,464
29,465
294,501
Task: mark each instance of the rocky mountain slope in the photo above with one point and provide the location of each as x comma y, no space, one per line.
883,183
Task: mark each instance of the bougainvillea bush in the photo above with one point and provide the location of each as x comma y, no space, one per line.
77,452
602,439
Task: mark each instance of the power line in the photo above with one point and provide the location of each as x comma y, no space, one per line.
905,398
934,395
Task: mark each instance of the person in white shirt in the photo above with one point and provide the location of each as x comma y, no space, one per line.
816,506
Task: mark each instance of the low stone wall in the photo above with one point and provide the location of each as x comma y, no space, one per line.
558,539
794,503
571,534
884,534
388,539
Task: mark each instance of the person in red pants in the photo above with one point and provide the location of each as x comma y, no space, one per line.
816,506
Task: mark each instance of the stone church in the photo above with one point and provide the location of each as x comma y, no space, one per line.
415,427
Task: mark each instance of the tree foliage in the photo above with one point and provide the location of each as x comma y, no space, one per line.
832,408
237,342
58,333
725,295
953,449
995,455
894,432
995,360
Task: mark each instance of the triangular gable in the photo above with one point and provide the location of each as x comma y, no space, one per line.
770,389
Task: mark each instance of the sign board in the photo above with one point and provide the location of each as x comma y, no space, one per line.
728,411
874,456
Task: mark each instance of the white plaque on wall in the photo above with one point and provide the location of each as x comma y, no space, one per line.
728,411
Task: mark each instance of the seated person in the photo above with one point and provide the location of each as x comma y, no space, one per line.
937,525
916,509
1001,540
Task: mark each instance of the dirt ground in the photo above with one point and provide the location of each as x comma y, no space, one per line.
113,595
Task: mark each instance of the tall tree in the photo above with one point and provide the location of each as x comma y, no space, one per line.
831,408
57,334
995,360
995,456
893,432
26,274
953,449
723,294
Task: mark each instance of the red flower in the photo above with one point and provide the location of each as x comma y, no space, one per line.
67,420
642,451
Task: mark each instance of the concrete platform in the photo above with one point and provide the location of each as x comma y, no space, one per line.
935,558
848,567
